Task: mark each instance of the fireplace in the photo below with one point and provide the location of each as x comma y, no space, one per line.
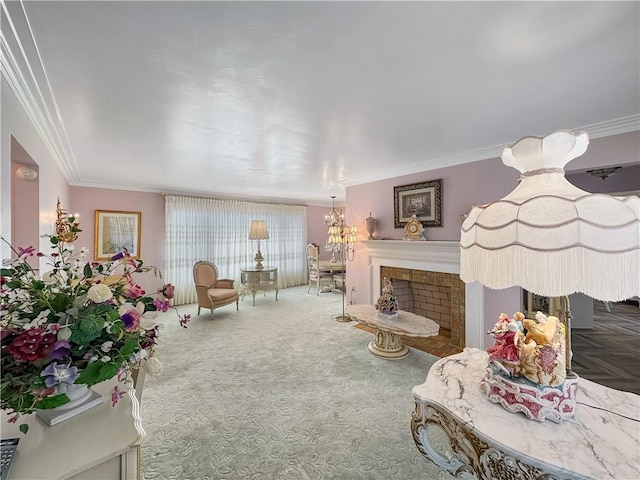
436,295
429,268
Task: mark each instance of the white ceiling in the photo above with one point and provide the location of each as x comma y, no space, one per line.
294,100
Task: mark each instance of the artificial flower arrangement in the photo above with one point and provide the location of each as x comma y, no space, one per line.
81,323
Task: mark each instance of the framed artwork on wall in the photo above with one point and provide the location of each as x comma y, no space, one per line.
116,232
424,200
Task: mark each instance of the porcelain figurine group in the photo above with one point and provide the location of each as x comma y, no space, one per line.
533,349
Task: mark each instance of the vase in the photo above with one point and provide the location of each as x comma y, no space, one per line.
370,222
81,399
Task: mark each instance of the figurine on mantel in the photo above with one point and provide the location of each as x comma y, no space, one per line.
370,222
527,361
387,304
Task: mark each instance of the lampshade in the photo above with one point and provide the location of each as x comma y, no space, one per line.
258,230
549,236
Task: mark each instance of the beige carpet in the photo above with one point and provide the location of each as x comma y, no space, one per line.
280,391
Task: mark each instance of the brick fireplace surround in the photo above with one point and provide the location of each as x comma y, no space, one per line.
435,295
433,269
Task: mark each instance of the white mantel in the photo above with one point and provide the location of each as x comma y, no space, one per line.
430,256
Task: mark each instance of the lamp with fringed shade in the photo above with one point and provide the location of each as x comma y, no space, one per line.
552,239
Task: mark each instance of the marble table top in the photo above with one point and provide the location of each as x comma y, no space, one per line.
595,443
407,323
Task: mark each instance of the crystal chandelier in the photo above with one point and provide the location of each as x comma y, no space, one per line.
334,217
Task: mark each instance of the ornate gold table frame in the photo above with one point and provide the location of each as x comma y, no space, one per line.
470,457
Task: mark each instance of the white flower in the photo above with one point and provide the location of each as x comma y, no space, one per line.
99,293
153,366
106,346
148,320
60,277
38,321
139,356
105,358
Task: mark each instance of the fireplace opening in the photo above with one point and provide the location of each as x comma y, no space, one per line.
438,296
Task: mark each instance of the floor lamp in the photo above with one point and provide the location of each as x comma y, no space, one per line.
343,237
340,241
553,239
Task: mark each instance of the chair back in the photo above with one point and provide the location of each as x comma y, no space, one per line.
313,259
205,273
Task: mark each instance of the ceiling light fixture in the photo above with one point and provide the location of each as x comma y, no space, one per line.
603,173
26,173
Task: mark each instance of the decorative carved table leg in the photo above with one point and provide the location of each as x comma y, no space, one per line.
469,457
388,345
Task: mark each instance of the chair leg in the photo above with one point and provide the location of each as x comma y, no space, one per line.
318,287
309,289
237,305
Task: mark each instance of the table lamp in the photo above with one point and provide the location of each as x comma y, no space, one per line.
553,239
258,231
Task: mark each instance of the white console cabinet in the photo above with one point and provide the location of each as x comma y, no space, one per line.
102,443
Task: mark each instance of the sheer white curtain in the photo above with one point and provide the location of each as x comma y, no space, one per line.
217,230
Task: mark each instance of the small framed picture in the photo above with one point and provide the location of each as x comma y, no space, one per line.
424,200
116,232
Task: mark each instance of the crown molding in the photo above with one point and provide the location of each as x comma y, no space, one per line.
22,68
597,130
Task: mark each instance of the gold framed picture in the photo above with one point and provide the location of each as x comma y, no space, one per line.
115,232
424,200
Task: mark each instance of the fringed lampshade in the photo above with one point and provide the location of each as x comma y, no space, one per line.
550,237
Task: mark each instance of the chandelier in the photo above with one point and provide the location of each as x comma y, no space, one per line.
333,217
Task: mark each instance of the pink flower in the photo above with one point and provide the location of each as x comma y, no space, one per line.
133,290
130,316
167,290
26,251
184,320
161,305
116,395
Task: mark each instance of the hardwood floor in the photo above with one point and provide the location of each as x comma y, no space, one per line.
609,354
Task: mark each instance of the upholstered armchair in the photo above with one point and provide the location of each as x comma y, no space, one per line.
213,292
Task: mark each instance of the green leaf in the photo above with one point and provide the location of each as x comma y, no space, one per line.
14,284
97,372
129,348
6,272
86,329
24,428
60,302
52,401
87,270
38,285
54,240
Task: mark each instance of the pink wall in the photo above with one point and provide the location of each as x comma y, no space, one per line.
25,226
85,201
